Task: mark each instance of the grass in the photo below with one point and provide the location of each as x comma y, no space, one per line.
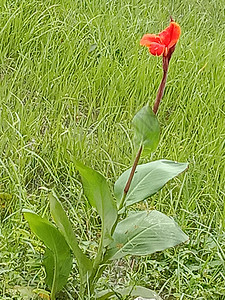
72,77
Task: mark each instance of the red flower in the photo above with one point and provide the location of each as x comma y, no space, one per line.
160,44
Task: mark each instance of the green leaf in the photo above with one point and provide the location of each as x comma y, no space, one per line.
49,264
148,179
137,291
143,233
98,193
65,227
58,262
146,130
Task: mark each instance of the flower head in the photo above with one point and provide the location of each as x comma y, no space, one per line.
160,44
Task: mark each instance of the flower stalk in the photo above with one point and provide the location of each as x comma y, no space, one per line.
126,189
162,44
166,60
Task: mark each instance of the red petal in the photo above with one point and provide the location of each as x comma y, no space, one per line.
156,49
148,39
176,31
170,35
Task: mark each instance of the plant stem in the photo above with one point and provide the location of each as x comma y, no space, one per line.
162,85
126,189
166,60
99,259
100,256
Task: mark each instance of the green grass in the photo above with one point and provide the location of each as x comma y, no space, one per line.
72,76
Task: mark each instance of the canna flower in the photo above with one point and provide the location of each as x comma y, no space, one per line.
160,44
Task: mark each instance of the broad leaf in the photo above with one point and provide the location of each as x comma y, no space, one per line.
58,261
148,179
49,265
137,291
65,227
146,129
98,193
143,233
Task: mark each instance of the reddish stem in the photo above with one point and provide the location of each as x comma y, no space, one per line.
162,85
166,60
126,189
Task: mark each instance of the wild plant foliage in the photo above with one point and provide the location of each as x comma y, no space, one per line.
123,231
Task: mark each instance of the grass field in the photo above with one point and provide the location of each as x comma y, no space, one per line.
72,76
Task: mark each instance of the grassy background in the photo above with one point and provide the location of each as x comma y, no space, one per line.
72,77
